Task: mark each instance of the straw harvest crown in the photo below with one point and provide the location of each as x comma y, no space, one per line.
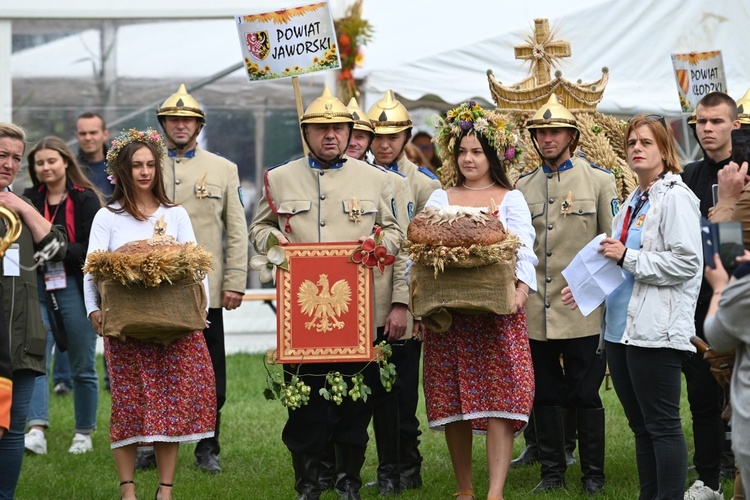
543,51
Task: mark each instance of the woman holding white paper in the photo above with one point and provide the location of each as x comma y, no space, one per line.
648,319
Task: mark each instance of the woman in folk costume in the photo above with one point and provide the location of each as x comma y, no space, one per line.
478,375
161,394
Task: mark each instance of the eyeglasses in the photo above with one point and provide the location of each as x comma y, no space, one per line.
652,118
425,147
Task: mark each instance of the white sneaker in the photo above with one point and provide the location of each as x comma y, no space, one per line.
699,491
81,444
35,442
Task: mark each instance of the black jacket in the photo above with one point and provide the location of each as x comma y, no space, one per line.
699,177
85,205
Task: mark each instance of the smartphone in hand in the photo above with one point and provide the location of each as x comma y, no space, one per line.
741,145
724,238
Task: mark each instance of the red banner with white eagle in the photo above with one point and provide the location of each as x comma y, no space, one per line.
325,305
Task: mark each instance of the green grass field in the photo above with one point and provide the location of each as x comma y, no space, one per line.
258,466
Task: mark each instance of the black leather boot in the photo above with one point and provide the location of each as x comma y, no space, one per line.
349,461
207,451
385,423
306,475
530,454
591,449
411,465
327,474
550,436
571,435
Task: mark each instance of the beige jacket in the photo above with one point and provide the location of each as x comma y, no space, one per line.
422,183
391,286
217,217
306,204
592,196
727,210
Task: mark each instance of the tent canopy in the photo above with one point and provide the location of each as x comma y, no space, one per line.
633,39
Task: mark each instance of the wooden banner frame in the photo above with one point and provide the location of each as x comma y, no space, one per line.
312,304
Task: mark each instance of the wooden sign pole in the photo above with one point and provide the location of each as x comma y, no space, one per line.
300,110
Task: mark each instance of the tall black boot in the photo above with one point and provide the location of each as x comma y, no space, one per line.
306,474
530,454
571,435
550,434
591,449
385,423
349,461
411,465
207,451
327,474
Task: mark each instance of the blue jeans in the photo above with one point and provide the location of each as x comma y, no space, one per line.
82,355
648,383
60,368
11,444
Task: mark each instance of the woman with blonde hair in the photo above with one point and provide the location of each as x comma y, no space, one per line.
64,196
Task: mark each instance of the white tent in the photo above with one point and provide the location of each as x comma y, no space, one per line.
634,39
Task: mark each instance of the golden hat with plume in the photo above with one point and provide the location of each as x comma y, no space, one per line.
743,109
326,109
361,122
389,116
182,104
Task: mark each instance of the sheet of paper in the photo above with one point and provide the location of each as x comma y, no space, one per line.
592,277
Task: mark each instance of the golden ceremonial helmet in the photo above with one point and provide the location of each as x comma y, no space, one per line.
554,115
388,116
743,109
326,109
181,104
361,122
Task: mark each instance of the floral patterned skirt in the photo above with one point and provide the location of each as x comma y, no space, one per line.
480,368
161,393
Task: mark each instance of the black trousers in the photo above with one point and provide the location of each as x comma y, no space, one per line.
648,385
406,356
214,336
706,399
309,428
577,386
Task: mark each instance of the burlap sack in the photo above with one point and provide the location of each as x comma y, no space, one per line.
153,314
476,290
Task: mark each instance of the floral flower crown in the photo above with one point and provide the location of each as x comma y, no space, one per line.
469,116
133,135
